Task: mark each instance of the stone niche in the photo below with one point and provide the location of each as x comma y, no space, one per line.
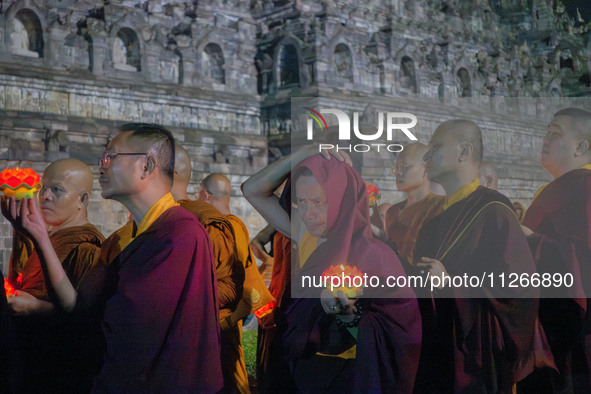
26,34
126,51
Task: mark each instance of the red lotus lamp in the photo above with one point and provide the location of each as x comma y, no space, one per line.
19,182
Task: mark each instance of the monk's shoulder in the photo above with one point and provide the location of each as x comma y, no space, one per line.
215,223
238,226
574,182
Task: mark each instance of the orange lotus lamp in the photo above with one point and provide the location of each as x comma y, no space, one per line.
349,273
373,193
9,289
264,310
19,182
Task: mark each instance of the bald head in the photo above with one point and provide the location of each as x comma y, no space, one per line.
182,173
65,194
580,121
74,172
465,132
218,184
488,176
455,153
216,189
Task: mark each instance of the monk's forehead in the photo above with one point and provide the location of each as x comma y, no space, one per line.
308,184
125,142
62,174
445,134
69,172
413,152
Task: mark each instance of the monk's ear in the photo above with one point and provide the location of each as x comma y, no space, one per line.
582,148
84,198
150,165
466,150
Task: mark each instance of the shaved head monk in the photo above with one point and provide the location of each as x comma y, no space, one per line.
63,202
229,272
476,339
156,277
488,176
404,220
216,190
558,225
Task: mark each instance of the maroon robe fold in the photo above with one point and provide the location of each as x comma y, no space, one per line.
479,340
560,218
161,319
389,334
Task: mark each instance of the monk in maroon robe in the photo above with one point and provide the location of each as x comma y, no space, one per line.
380,354
558,225
156,279
478,338
161,284
404,220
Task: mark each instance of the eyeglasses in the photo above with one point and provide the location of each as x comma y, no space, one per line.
399,168
106,159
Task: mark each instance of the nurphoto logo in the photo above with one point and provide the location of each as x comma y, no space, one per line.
393,123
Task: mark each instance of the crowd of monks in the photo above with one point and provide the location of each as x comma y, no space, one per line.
158,306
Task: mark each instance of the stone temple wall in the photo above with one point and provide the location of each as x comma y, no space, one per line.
221,74
72,71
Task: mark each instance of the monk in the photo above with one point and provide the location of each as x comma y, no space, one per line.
481,337
158,292
229,272
332,342
216,190
488,176
404,220
557,226
47,339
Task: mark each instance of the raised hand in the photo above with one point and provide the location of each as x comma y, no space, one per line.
24,216
337,154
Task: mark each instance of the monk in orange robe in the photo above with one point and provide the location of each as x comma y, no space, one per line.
46,341
404,220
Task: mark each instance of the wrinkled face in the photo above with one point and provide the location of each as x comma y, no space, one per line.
120,177
442,157
312,205
560,144
59,198
409,170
